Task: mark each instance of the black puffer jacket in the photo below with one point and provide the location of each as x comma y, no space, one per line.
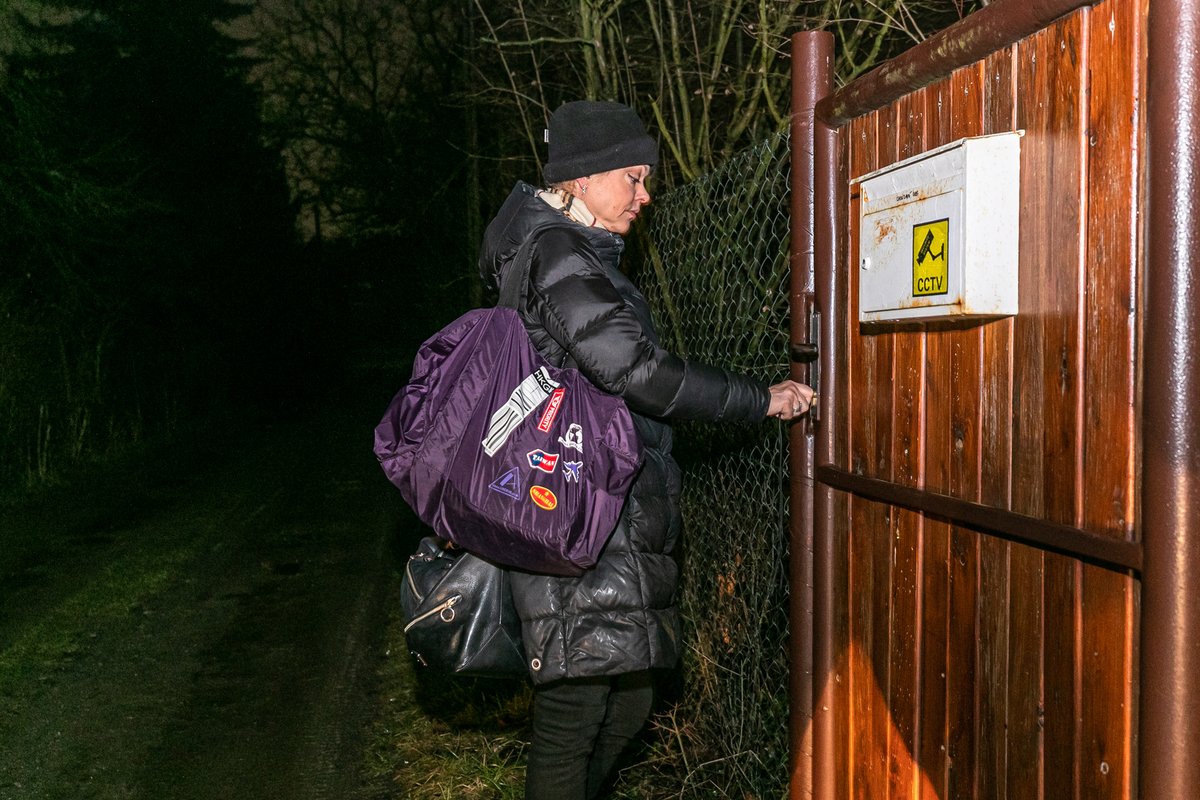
581,311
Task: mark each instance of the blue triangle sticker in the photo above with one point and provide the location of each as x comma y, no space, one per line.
508,484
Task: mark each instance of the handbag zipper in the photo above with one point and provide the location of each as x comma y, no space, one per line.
412,584
440,610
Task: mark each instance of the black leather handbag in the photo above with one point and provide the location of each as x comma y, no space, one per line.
459,614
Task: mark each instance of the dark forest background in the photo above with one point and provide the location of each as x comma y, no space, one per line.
210,206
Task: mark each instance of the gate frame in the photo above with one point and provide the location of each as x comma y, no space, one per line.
1168,555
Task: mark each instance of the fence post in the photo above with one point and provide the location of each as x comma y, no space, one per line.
812,79
1169,749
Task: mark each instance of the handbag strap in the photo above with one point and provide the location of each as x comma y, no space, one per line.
514,278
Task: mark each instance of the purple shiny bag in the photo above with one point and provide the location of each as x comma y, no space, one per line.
513,459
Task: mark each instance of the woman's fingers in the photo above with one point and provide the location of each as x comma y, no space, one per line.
789,399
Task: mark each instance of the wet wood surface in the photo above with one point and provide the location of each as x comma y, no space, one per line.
975,667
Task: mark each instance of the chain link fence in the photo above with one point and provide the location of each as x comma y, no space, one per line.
715,270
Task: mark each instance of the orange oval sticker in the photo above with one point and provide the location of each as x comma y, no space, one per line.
543,497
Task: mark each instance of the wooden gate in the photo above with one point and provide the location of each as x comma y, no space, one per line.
980,503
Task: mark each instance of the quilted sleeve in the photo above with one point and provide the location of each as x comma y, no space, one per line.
577,303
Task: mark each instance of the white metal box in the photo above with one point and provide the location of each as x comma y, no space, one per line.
938,233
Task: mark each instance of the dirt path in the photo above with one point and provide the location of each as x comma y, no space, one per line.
202,635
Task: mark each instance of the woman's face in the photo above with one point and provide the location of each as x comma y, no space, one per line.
617,196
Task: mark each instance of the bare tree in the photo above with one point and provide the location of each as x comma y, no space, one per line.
712,74
350,87
338,78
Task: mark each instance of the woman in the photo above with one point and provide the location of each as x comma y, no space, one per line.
591,641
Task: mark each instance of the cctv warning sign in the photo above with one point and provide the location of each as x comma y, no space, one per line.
930,258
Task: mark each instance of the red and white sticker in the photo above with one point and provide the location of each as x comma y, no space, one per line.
551,412
540,459
543,497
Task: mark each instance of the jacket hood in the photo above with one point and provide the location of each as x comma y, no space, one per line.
524,214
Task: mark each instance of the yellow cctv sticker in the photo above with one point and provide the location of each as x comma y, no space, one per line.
931,258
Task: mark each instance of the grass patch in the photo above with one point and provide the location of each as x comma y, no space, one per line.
61,635
439,737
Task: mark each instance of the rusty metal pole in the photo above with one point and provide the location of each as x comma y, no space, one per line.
812,79
1169,749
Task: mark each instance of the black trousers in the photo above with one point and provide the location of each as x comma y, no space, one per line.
580,727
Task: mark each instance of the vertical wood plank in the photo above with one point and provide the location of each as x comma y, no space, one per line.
1061,676
963,453
1061,56
1116,35
882,521
844,645
935,580
1035,60
843,641
844,258
1116,28
868,578
994,564
860,136
907,440
1106,769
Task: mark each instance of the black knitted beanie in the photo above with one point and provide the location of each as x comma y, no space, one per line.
591,136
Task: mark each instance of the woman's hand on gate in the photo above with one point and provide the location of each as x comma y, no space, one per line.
789,400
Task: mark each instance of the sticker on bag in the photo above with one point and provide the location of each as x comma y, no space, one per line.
529,394
508,484
573,438
543,497
551,412
540,459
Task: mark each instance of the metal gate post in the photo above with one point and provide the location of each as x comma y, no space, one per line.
812,79
1169,749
